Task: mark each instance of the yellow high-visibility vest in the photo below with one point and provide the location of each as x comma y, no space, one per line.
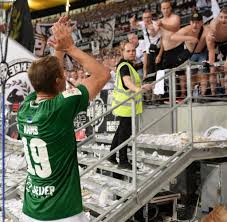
120,93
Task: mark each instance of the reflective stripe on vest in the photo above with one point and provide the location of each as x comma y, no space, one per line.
120,94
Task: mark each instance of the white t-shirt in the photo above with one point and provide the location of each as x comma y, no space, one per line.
110,83
146,36
140,49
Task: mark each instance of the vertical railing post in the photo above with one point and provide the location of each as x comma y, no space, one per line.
3,148
93,114
189,95
174,113
134,157
170,90
171,102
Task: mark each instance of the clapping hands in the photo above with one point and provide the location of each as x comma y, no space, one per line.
61,40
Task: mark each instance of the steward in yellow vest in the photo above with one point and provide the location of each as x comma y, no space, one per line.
126,84
121,94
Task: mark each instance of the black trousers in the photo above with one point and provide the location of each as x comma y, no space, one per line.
124,131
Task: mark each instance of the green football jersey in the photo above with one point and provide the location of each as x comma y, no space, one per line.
52,189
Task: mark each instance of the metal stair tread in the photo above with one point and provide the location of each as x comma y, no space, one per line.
118,187
139,158
108,182
93,207
143,145
112,168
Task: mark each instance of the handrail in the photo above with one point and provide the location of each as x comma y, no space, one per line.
134,136
147,179
168,73
194,65
108,111
105,157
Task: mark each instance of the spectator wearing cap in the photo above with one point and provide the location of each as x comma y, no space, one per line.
194,38
217,37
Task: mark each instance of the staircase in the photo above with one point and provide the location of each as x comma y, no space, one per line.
112,194
158,164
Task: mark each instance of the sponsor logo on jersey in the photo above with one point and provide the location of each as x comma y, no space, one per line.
71,92
29,120
39,191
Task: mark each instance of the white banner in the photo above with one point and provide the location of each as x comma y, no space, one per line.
94,36
19,60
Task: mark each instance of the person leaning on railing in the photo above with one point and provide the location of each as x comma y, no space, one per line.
194,38
217,36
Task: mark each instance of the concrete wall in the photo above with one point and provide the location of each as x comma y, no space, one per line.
204,116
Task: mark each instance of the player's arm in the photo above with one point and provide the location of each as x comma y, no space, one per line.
60,56
100,75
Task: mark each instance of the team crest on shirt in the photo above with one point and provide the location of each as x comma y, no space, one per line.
71,92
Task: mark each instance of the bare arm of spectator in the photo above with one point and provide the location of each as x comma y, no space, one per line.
145,58
172,26
159,56
99,74
133,23
210,40
182,36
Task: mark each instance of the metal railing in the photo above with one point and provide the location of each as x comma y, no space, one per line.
170,74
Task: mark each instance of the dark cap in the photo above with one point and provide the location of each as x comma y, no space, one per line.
196,16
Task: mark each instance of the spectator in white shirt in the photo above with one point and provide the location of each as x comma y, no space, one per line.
148,26
140,46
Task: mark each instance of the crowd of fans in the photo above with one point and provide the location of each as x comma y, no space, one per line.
143,23
153,49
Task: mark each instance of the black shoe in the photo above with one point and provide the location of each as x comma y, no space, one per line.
113,161
126,165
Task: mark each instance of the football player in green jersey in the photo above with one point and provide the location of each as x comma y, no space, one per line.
45,120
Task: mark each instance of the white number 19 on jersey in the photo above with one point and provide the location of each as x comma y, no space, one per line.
40,157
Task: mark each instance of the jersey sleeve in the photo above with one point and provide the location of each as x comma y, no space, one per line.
84,100
76,100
